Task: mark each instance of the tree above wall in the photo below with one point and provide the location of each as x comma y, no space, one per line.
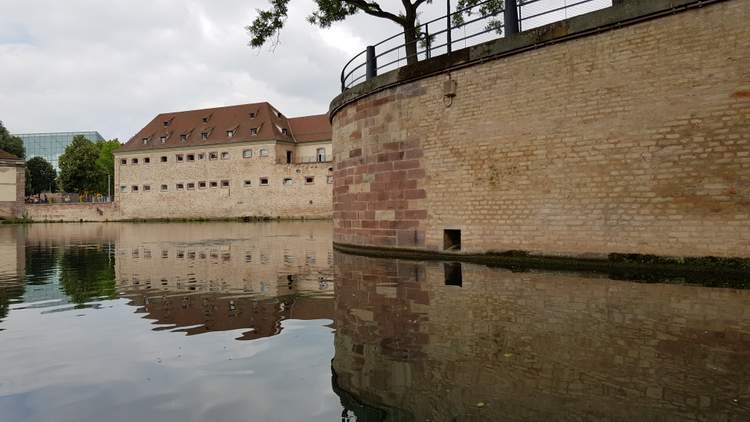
79,171
40,176
10,143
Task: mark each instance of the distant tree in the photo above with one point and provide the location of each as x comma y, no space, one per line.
106,163
10,143
266,26
78,169
40,176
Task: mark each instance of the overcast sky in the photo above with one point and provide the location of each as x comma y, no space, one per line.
112,65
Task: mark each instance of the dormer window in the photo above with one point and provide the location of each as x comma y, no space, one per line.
166,123
285,131
183,138
205,120
204,136
254,131
252,115
145,141
163,139
230,133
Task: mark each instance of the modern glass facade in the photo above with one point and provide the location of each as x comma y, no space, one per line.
50,146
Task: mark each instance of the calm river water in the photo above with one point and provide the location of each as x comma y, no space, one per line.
265,322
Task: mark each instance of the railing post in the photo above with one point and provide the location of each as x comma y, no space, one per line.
426,41
448,26
372,63
511,17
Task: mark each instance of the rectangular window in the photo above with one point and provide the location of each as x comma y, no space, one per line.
183,138
146,160
213,155
134,161
285,131
145,141
164,188
309,180
248,153
288,181
180,158
163,158
134,188
247,183
202,184
204,136
180,186
123,162
254,131
191,186
329,180
123,188
225,183
147,188
201,156
230,133
252,115
224,155
163,139
213,184
263,152
191,157
451,240
264,181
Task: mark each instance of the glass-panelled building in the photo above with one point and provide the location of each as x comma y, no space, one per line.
50,146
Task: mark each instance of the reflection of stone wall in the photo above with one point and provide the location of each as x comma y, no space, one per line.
538,346
268,259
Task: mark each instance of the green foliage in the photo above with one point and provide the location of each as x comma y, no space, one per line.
40,176
106,163
87,273
267,25
10,143
79,171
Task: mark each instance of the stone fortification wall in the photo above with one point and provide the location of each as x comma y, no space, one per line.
635,139
73,212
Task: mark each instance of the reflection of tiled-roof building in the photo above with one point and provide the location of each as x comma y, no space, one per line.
237,161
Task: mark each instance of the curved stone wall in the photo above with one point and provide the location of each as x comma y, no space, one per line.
632,140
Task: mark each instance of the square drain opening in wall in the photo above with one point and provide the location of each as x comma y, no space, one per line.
453,275
452,240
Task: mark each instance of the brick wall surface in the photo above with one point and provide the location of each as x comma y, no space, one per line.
537,345
634,140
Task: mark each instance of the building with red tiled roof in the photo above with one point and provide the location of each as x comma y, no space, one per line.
246,160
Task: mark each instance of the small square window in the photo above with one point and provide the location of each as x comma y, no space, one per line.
247,183
213,155
224,155
134,188
264,181
213,184
201,156
191,157
288,181
180,158
329,179
205,120
252,115
123,188
166,123
163,139
230,133
248,153
163,158
285,131
263,152
309,180
145,141
147,188
164,188
183,138
134,161
254,131
225,183
191,186
204,136
123,162
202,185
146,160
180,186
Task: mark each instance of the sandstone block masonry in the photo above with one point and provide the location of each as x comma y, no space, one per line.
632,140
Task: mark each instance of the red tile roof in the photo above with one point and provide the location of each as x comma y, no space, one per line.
216,122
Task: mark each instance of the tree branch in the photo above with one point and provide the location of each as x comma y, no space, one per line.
375,10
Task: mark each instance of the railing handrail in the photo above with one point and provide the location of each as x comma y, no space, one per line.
424,35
